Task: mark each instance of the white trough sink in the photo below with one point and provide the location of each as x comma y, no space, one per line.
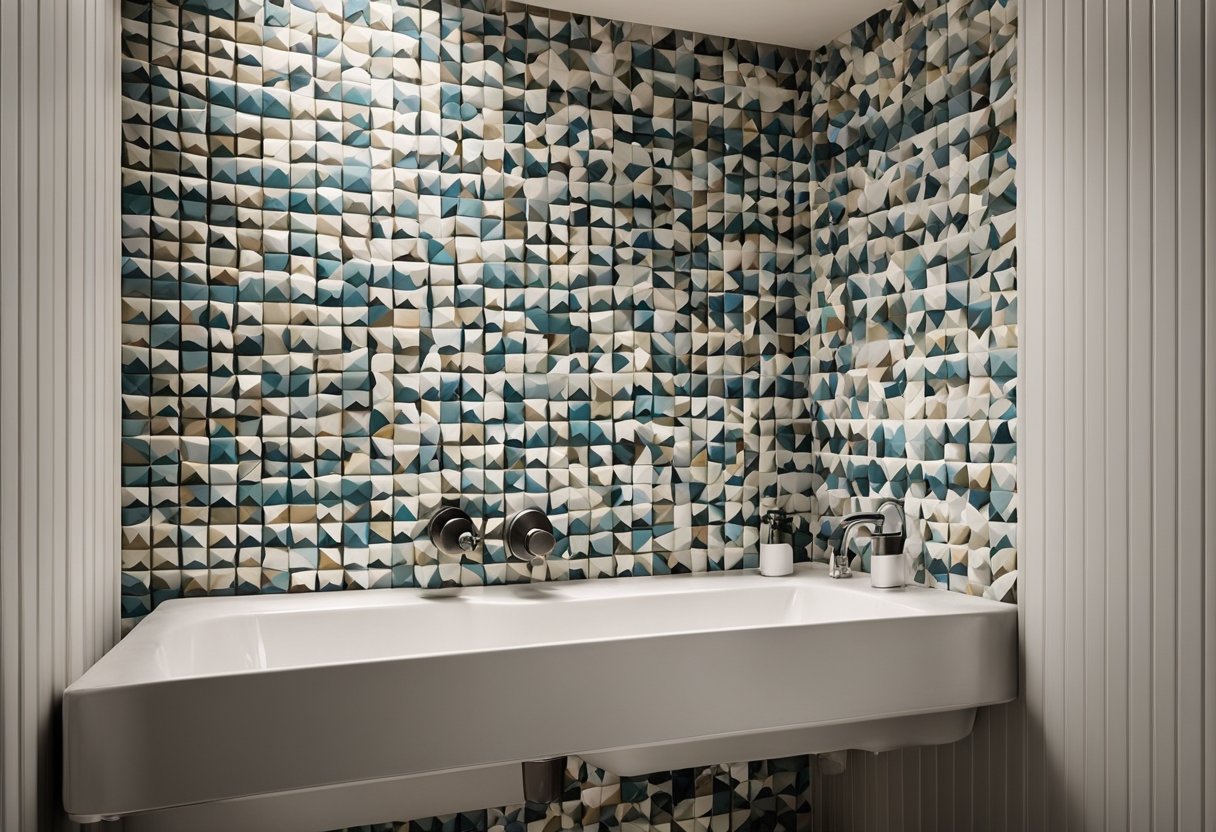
315,711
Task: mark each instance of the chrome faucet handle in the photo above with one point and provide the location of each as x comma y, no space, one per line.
540,543
838,565
529,536
453,531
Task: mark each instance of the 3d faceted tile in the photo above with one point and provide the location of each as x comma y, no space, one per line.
379,256
912,171
414,252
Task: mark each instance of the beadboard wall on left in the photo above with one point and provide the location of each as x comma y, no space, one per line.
59,380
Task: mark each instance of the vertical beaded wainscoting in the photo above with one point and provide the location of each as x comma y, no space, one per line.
59,407
378,255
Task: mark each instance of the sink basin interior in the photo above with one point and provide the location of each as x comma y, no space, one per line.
281,635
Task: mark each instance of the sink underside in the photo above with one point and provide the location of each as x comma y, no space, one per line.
933,728
232,705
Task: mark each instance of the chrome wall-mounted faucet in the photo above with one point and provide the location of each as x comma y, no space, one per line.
528,536
838,563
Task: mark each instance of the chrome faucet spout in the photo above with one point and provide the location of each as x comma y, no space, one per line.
898,505
838,565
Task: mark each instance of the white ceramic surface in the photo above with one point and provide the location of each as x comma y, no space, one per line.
218,699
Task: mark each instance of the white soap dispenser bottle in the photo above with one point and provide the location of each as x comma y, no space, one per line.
777,555
888,564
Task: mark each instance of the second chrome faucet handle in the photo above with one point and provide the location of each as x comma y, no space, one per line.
529,536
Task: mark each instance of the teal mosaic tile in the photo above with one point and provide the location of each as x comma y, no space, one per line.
914,337
381,255
764,796
377,256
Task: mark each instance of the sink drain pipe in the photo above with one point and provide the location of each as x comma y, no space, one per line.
543,779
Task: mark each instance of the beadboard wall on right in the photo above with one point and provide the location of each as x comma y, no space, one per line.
1117,450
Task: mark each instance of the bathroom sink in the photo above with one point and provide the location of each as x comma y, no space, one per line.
237,705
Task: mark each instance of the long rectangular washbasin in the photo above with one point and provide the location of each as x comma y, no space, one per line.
217,708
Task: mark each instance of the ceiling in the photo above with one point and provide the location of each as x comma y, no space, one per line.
806,24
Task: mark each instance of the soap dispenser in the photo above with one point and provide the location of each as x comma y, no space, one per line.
888,566
777,555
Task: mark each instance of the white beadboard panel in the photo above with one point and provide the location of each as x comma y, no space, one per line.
1209,413
1117,278
59,381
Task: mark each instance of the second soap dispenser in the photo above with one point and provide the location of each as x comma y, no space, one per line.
888,566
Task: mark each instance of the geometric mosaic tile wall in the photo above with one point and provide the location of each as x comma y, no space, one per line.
377,255
768,796
914,341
